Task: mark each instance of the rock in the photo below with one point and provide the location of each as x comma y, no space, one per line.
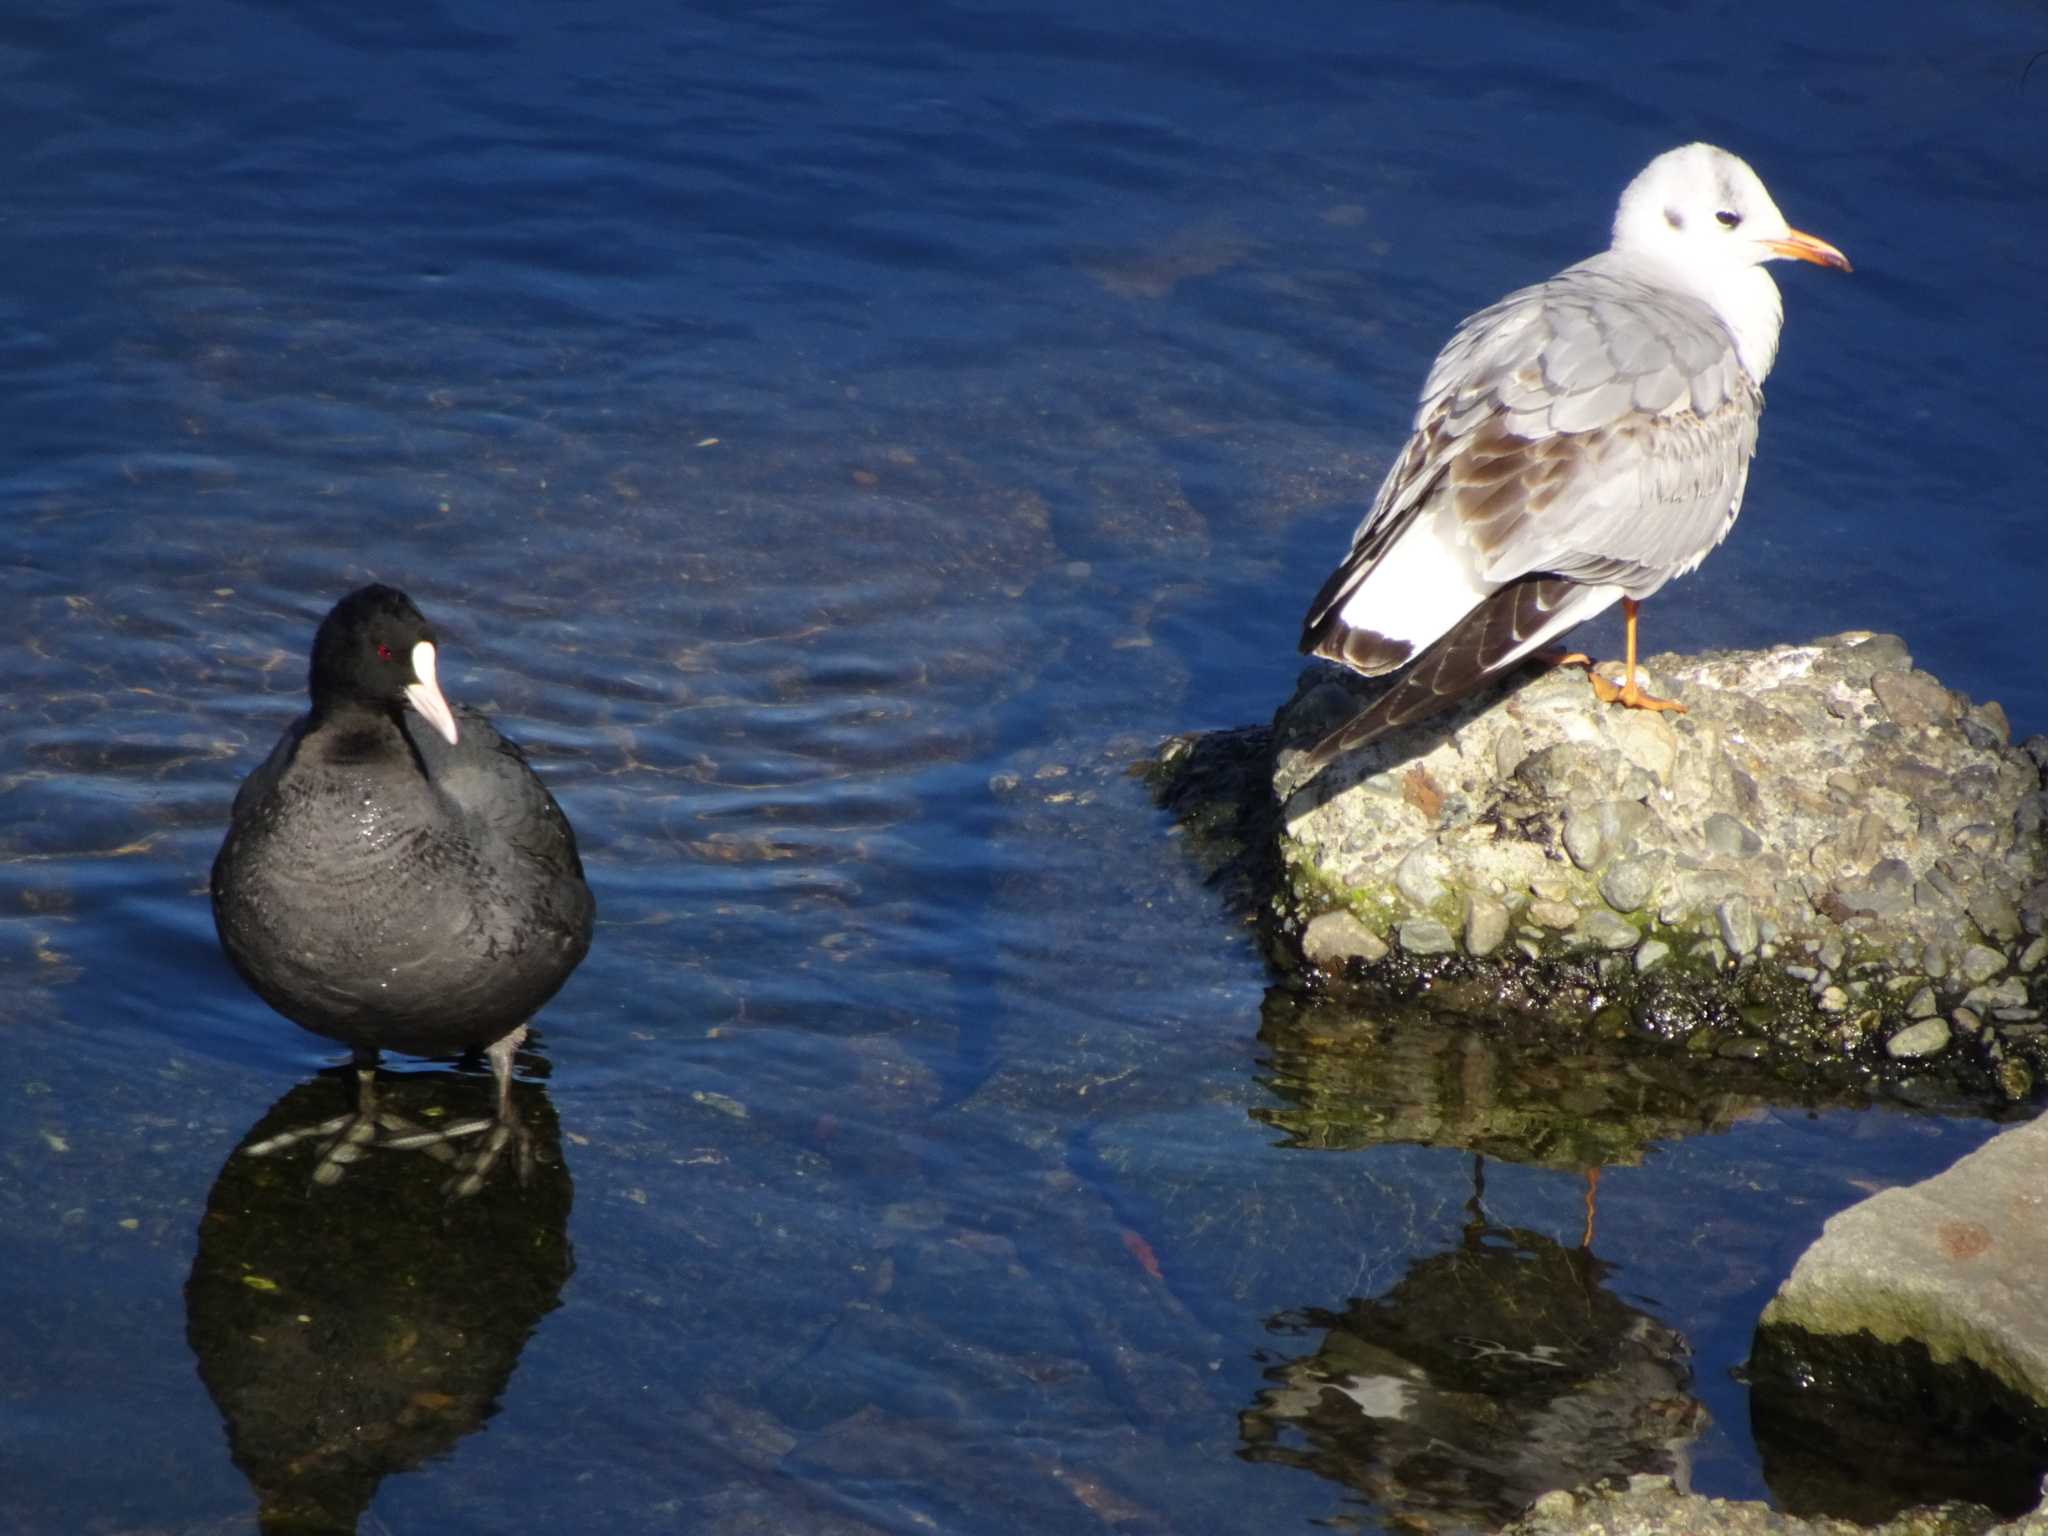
1949,1263
1737,923
1650,952
1913,699
1833,1000
1608,931
1486,924
1335,937
1426,936
1582,839
1922,1004
1980,963
1726,835
2032,956
2009,993
1996,916
1817,798
1649,1504
1420,877
2034,911
1922,1039
1626,885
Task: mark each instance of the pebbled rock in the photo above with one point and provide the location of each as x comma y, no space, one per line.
1819,802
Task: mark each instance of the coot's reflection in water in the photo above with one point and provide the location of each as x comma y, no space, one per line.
1490,1374
351,1332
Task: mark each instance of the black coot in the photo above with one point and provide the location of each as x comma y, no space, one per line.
396,878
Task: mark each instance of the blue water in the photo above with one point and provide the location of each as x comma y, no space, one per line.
838,440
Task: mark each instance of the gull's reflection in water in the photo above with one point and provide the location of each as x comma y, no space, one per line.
1490,1374
351,1331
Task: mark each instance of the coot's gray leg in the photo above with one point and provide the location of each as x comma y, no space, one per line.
506,1130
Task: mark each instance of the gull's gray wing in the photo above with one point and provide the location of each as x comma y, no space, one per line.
1596,427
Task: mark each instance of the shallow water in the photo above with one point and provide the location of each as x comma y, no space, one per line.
839,441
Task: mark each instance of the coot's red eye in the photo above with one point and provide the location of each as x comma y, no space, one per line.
384,652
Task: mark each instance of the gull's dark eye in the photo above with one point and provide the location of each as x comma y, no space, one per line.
1728,218
384,652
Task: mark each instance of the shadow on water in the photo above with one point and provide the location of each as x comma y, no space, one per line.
356,1331
1487,1375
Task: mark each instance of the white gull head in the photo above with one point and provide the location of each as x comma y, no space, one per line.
1698,219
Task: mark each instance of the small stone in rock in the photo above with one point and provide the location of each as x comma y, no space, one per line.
1833,1000
1335,937
1486,924
2032,956
1913,699
1922,1004
1737,923
1419,877
1582,838
1978,837
1626,885
2011,992
1921,1039
1726,835
1608,931
1999,918
1981,963
1650,952
1426,936
1553,914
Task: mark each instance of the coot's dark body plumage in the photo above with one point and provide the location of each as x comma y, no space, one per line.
390,888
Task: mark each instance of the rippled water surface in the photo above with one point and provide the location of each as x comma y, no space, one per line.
839,440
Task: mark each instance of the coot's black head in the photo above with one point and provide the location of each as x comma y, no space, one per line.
376,650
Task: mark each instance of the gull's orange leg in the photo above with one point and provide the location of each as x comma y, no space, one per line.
1628,693
1592,1189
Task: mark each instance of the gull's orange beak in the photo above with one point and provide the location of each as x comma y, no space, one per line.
1804,247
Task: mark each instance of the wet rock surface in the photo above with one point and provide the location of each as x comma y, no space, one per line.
1831,856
